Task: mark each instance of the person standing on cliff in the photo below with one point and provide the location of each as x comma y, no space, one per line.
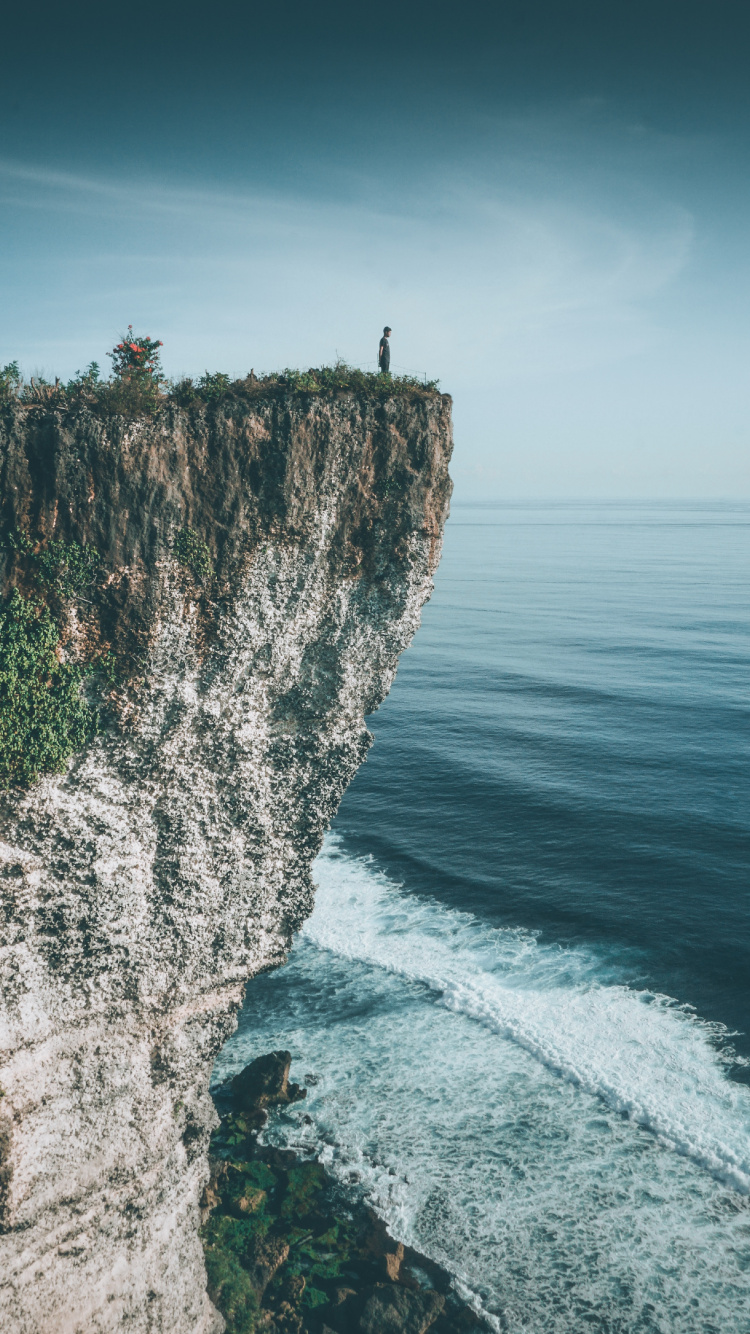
384,353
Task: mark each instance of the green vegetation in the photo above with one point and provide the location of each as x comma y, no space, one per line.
65,568
135,389
317,381
213,385
131,399
288,1253
136,358
268,1208
44,717
325,379
10,380
191,550
209,387
138,388
227,1242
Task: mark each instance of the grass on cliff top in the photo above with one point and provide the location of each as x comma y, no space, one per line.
145,397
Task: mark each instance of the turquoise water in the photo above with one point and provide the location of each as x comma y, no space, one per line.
524,994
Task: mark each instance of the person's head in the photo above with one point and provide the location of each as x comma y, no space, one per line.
386,331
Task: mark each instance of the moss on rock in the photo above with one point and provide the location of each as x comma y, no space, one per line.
44,717
191,551
288,1253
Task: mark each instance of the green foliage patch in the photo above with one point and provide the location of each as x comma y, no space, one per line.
191,550
312,1297
65,568
10,380
131,399
289,1201
213,385
137,387
317,381
369,384
45,714
44,717
225,1243
303,1184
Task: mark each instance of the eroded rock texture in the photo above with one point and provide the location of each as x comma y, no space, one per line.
144,887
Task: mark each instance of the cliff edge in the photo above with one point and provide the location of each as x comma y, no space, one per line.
252,570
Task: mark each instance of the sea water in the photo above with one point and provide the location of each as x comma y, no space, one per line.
522,1003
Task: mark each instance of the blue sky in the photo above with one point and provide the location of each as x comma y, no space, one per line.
548,202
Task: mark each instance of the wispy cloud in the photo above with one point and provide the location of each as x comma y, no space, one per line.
482,285
532,307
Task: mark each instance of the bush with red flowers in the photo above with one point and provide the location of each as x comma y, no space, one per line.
137,358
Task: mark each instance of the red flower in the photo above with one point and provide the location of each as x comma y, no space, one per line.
119,346
135,349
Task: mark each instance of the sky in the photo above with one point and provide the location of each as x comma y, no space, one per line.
547,201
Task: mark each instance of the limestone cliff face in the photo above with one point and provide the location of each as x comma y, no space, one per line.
171,862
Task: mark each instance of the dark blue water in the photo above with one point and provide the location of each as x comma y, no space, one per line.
532,932
568,745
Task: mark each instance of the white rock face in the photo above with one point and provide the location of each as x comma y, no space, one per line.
144,887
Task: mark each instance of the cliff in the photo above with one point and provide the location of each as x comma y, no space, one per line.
252,570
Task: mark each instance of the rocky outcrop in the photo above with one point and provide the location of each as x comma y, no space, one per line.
171,862
265,1083
288,1252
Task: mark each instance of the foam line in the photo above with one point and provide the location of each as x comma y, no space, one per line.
645,1055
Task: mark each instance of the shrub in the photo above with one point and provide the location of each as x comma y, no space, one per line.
40,390
213,385
44,717
138,388
84,384
191,550
133,398
323,379
134,389
183,392
63,567
67,567
10,381
137,358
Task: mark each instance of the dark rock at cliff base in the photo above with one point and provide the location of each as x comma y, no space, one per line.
288,1252
382,1246
267,1258
387,1308
391,1309
265,1083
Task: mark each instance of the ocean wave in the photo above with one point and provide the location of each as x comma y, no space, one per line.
646,1056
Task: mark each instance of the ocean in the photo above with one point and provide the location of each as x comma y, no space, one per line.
522,1003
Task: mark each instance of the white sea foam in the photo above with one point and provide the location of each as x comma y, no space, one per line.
571,1149
643,1054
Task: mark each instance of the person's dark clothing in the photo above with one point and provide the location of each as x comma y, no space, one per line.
384,355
